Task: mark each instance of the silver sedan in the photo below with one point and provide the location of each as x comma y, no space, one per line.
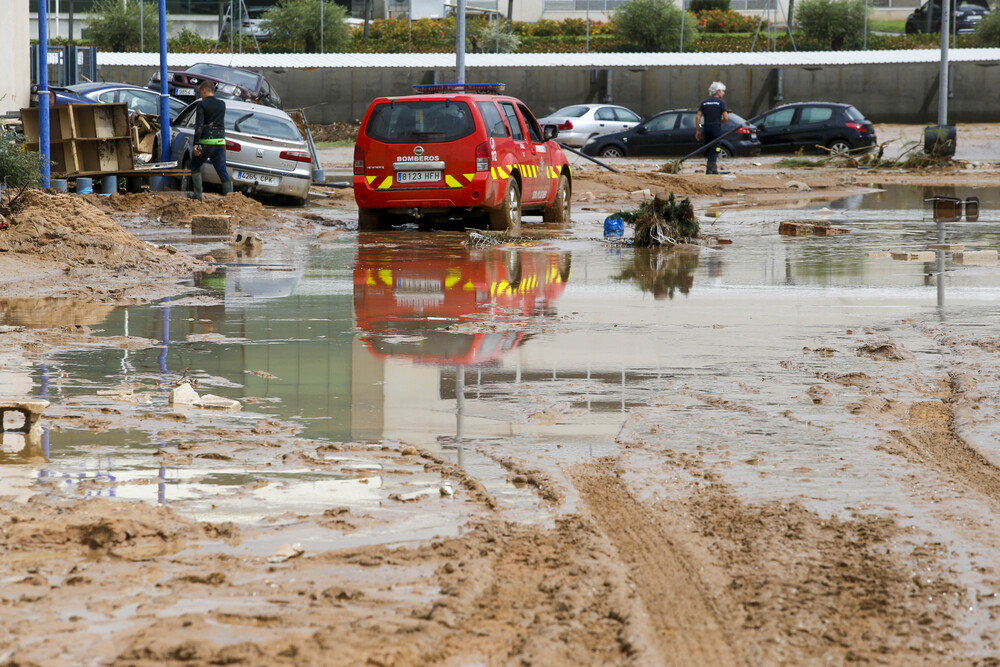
580,123
265,151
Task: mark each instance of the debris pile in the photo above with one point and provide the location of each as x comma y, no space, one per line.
662,221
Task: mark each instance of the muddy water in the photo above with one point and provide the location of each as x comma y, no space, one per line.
546,353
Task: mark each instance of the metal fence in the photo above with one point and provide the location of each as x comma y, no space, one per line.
583,5
67,65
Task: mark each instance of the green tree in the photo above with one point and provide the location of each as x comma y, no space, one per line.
295,23
695,6
988,31
653,25
839,23
17,166
115,26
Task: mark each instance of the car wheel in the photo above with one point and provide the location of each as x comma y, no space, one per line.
508,216
911,28
369,220
184,182
295,201
558,211
564,263
839,146
512,267
725,152
612,151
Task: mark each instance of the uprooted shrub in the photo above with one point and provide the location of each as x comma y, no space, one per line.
662,221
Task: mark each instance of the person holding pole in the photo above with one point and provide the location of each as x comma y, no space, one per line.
715,114
209,140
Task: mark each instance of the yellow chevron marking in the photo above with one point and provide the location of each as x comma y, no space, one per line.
370,179
452,277
469,177
451,181
468,286
386,183
385,276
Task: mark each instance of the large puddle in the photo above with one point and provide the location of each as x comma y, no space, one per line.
538,352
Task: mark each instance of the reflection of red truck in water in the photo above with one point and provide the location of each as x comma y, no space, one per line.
406,298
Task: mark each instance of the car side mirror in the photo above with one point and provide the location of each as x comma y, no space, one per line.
761,126
642,129
550,132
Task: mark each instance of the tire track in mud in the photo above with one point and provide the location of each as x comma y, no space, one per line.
685,626
931,438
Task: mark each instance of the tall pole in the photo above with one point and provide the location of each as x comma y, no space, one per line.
681,49
943,73
164,97
44,146
71,40
588,26
460,44
321,49
142,28
865,45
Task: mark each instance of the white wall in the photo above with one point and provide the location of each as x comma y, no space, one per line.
15,74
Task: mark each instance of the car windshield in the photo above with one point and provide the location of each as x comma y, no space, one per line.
232,75
427,121
264,125
854,114
571,112
736,118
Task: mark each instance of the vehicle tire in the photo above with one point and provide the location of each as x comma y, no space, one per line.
184,182
298,202
508,216
725,152
911,28
558,211
612,151
839,146
369,220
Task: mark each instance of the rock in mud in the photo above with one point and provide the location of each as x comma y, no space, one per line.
184,395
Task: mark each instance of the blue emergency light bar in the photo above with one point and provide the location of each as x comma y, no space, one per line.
485,88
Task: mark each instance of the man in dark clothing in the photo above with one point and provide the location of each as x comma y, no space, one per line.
715,114
209,140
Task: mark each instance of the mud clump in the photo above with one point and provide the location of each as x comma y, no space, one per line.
72,231
883,351
176,208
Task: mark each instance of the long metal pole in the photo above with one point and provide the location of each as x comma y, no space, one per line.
321,49
164,97
142,28
943,73
460,44
44,146
681,50
588,26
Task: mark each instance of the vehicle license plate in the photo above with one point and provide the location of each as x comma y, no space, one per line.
187,92
263,179
418,176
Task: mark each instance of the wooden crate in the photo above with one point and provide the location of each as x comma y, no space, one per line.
85,139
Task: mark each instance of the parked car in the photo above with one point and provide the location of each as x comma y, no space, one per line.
265,151
457,150
251,23
806,125
137,98
580,123
231,83
964,15
673,133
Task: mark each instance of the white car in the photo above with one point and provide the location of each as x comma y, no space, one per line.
265,151
580,123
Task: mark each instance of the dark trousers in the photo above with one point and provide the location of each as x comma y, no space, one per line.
711,133
214,153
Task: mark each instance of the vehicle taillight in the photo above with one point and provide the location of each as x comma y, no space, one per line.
744,130
232,146
482,157
296,156
857,126
568,125
359,161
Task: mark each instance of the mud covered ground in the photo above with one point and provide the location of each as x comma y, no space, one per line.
647,556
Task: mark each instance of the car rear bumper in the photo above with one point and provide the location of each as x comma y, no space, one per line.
453,192
292,184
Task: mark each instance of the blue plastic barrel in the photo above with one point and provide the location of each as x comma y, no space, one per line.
84,186
614,226
109,185
59,184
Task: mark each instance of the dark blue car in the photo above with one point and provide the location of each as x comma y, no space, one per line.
141,100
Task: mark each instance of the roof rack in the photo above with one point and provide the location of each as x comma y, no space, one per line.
487,88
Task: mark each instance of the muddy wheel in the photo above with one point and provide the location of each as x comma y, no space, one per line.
839,146
369,220
725,152
559,210
183,183
612,151
508,216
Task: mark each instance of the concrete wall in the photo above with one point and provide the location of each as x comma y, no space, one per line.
15,74
884,93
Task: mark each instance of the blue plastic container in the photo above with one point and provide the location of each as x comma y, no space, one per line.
58,184
84,186
614,226
109,185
